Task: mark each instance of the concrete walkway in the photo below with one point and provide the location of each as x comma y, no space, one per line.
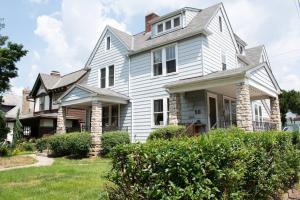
41,161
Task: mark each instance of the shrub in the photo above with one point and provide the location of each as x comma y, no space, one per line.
111,139
225,164
42,144
26,146
4,151
71,144
167,132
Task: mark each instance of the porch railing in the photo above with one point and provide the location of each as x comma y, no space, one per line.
263,126
104,129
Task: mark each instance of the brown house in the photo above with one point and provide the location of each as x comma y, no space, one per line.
42,118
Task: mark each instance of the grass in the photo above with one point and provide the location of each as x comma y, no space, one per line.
65,179
16,161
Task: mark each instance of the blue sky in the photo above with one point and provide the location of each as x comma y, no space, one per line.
60,34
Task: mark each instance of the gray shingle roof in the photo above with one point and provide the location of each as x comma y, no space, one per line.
142,41
254,54
214,75
53,82
239,40
104,91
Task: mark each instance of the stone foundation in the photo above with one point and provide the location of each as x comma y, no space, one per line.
275,113
243,107
61,120
175,109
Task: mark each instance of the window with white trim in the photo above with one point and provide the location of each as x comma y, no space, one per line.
42,103
164,60
108,43
223,57
160,111
157,62
114,115
258,113
220,24
110,116
168,24
103,77
111,75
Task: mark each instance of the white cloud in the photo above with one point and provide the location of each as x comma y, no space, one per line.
16,90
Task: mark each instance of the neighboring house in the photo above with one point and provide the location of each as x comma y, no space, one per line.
187,67
41,119
10,106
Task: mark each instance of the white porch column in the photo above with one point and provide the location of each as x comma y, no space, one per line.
243,107
61,120
96,126
175,108
275,112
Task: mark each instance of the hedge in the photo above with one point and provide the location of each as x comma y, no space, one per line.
167,132
225,164
70,144
111,139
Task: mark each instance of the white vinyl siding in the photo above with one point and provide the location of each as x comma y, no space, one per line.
261,76
216,41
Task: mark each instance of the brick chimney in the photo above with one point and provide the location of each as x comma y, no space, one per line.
55,73
148,18
25,102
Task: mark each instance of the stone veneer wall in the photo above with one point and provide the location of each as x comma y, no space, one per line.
96,127
275,113
61,120
243,107
175,109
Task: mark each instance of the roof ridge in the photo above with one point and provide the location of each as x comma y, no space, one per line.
73,72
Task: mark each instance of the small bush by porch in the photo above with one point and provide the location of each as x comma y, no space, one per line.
225,164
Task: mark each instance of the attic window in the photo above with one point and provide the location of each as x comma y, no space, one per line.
176,21
160,28
108,43
168,25
220,24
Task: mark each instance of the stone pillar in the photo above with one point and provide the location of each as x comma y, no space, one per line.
61,120
275,113
96,127
243,107
175,109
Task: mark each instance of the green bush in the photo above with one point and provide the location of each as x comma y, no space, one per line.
26,146
42,144
225,164
71,144
167,132
4,151
111,139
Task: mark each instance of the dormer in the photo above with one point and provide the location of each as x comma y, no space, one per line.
172,21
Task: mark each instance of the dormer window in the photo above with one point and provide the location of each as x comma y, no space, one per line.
160,28
176,21
168,25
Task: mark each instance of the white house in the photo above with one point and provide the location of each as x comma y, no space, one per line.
187,67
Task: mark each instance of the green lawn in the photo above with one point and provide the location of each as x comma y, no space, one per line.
65,179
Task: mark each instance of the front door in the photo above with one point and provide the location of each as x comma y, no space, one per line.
212,111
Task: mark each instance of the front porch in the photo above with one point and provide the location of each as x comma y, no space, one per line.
227,98
102,106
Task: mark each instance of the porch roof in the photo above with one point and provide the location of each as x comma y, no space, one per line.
80,94
252,74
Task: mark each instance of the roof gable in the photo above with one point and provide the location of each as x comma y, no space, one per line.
123,37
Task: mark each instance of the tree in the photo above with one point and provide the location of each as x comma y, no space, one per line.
10,54
3,129
289,100
17,129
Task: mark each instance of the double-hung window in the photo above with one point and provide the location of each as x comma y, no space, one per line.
111,75
102,77
107,76
164,60
258,113
168,25
157,62
176,21
170,59
105,116
42,103
160,112
114,115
